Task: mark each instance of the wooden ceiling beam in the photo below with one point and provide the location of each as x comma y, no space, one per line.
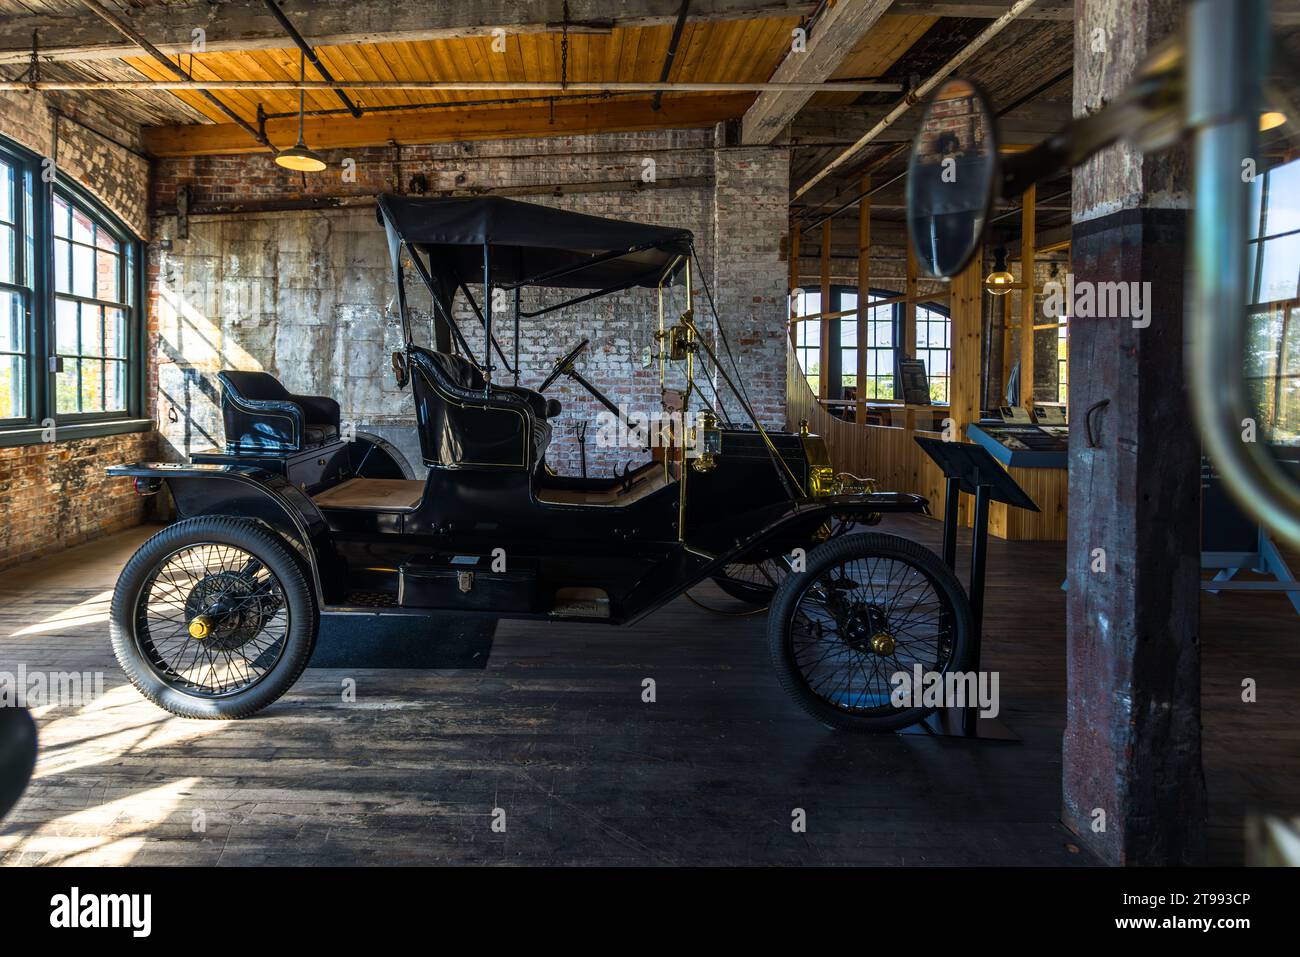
831,38
247,24
835,126
1286,13
435,126
1058,10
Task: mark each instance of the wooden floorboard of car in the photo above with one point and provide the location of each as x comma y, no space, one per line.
556,732
388,495
616,496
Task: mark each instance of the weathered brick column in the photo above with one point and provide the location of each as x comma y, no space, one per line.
750,208
1133,787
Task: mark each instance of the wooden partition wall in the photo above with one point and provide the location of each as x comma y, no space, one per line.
885,453
889,453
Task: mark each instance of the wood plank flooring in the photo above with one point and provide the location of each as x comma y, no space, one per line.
555,733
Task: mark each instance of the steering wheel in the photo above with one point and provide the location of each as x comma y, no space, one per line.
563,365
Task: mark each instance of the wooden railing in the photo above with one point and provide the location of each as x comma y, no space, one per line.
890,455
885,453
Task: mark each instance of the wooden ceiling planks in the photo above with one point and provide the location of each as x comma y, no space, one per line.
738,50
882,46
735,50
731,50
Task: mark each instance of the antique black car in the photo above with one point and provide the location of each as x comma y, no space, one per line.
217,615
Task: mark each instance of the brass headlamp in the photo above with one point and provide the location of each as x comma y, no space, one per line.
707,441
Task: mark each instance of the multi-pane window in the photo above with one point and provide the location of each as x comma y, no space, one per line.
14,293
848,341
69,311
1062,363
1273,325
883,335
881,321
807,339
90,312
1274,250
934,348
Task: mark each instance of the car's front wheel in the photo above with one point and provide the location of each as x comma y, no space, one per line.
213,617
866,608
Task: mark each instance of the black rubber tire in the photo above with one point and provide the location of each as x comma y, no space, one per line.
841,549
300,600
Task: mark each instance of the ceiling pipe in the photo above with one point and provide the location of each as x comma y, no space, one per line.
915,96
672,52
308,52
128,31
189,83
1010,107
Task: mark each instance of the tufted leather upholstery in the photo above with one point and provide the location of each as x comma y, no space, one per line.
465,374
461,426
261,415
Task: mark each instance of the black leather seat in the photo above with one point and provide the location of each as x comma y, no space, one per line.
461,425
261,415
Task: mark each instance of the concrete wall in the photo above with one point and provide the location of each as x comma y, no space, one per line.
307,295
55,494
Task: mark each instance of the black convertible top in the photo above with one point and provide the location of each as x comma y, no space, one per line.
531,244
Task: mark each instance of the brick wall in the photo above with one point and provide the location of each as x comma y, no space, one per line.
307,294
750,278
56,494
55,126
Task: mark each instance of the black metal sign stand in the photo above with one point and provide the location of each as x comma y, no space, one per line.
970,469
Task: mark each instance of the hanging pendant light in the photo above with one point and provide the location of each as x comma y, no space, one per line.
1271,120
298,157
999,281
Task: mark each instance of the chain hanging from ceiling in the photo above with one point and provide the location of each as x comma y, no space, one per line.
564,58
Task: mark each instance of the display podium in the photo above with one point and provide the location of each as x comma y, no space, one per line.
970,469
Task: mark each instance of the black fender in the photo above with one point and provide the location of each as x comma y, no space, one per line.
773,528
241,491
371,456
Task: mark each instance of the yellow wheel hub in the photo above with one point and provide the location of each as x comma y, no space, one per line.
882,643
200,627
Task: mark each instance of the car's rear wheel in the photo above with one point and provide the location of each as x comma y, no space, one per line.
213,617
866,607
753,583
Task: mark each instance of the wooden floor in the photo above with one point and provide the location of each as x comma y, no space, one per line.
554,732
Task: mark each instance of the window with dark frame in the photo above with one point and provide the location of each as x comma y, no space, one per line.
69,307
15,292
883,335
934,348
882,324
1273,322
807,341
91,305
1063,362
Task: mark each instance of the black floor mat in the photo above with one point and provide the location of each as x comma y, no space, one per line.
402,641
